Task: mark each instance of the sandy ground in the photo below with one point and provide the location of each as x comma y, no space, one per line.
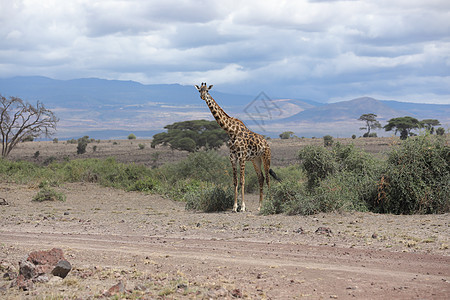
158,250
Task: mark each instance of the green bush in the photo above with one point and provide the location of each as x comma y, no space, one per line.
318,163
328,141
48,194
286,135
147,184
207,166
131,136
82,144
344,191
281,197
417,178
210,199
23,171
339,178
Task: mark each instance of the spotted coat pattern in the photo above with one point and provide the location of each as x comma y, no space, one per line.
244,144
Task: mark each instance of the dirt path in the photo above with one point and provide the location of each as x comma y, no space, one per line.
159,250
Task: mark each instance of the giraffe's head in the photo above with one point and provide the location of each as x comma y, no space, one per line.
203,89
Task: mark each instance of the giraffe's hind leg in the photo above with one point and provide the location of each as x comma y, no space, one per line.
257,165
242,168
266,163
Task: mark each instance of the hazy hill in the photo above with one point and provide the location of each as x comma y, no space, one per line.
112,108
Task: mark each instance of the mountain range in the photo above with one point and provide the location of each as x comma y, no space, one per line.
112,109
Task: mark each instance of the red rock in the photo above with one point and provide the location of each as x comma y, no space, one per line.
115,289
50,257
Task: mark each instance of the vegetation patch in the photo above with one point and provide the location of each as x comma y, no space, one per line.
210,199
47,193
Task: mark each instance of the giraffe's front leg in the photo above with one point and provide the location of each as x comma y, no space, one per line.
235,182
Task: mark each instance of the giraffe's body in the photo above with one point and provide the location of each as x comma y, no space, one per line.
244,144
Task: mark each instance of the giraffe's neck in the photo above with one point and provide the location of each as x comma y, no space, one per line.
222,118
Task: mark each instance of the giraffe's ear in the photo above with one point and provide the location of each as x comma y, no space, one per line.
210,87
197,87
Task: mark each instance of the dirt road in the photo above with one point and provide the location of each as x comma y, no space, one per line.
159,250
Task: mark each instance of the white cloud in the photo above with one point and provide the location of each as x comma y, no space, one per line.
307,49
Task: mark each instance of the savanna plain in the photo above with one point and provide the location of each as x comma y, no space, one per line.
159,250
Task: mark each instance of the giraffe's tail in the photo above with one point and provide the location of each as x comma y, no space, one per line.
274,175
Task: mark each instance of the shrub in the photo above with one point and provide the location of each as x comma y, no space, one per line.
417,178
318,163
141,146
281,196
48,194
207,166
286,135
49,160
55,140
36,154
184,143
28,138
82,144
440,131
131,136
81,148
354,136
210,199
147,184
344,191
328,141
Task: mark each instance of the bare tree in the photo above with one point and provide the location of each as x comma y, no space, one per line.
20,120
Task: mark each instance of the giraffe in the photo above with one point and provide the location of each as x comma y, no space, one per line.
244,144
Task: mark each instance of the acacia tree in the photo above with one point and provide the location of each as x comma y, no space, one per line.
371,123
191,135
20,120
429,124
404,125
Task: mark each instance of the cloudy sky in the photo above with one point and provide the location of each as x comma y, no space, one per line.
319,50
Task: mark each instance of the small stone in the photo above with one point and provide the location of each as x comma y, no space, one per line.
115,289
27,269
55,280
324,230
62,268
10,275
22,283
140,287
236,293
66,213
41,278
299,230
374,235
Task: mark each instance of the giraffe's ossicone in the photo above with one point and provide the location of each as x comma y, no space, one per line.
244,144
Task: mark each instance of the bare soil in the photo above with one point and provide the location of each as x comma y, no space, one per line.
159,250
